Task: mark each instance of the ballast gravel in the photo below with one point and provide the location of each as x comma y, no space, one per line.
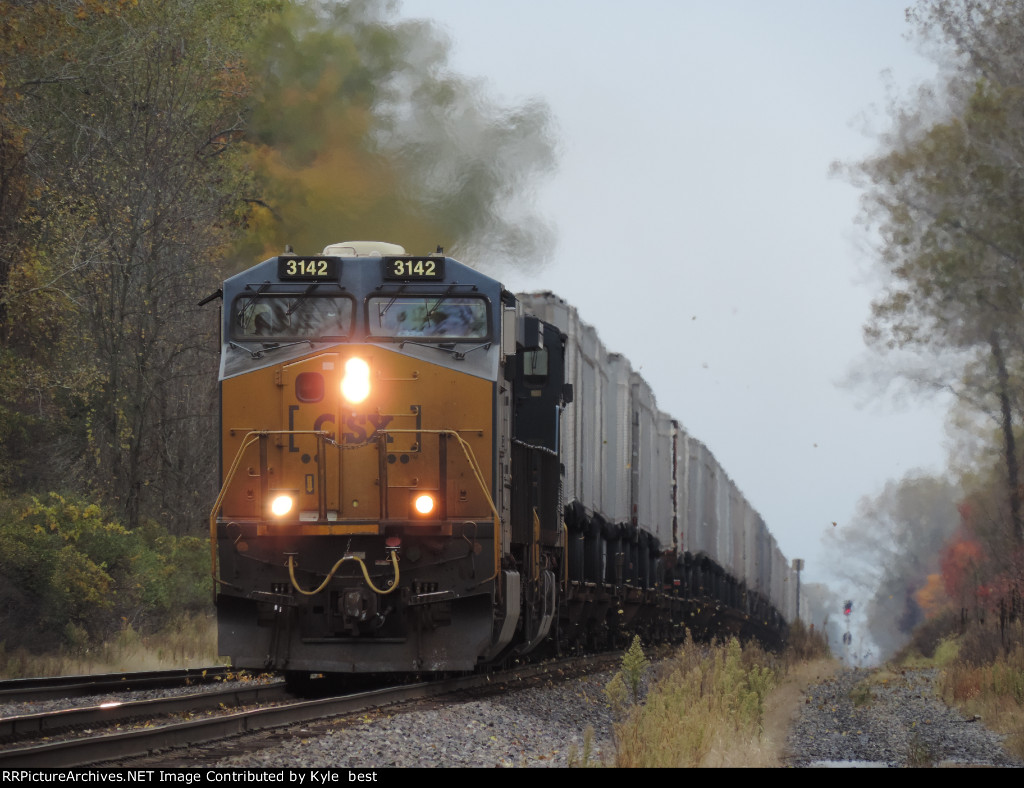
888,719
858,718
537,726
855,719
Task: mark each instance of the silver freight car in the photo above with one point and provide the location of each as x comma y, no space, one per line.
650,505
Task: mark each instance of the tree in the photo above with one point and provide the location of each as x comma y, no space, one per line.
37,41
946,195
131,156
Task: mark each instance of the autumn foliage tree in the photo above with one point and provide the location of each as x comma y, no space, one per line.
129,150
945,195
963,573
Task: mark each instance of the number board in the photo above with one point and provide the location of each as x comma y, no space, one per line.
308,268
405,268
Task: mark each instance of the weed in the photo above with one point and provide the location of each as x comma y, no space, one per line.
634,666
861,695
705,707
947,652
806,644
583,761
919,756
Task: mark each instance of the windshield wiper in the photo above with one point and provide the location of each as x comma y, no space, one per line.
440,300
391,303
267,346
301,300
447,347
251,303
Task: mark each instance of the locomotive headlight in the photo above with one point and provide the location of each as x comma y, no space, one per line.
355,385
423,504
282,504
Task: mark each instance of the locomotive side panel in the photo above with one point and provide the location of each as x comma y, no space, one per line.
595,475
553,310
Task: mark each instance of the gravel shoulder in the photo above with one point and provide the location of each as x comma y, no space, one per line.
544,726
786,702
850,717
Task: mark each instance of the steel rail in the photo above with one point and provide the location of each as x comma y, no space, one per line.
113,747
51,722
28,689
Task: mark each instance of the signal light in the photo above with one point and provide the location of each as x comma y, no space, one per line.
355,385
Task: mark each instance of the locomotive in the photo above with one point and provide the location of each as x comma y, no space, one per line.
422,472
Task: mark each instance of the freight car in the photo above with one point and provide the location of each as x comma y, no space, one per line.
423,472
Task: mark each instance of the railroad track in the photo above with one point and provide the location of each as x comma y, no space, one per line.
33,689
52,723
109,748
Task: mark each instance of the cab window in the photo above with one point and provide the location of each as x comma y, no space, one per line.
437,316
535,367
291,316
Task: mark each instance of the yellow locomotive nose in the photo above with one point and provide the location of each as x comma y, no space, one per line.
355,385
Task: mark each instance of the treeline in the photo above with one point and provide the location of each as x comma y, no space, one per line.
148,149
72,576
945,194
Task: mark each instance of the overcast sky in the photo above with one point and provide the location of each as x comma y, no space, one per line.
699,229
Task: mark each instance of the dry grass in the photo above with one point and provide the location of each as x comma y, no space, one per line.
993,691
188,642
805,645
982,673
704,708
712,706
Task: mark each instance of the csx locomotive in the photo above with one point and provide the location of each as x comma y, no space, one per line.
423,472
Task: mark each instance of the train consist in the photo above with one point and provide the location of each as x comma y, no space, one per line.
423,472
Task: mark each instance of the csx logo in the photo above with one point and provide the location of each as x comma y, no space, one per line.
355,427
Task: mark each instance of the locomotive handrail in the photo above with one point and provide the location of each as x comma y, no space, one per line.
247,441
254,435
467,450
